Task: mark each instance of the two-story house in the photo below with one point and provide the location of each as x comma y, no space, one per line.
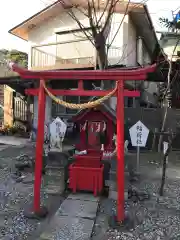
56,42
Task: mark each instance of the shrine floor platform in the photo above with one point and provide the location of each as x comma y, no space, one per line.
74,219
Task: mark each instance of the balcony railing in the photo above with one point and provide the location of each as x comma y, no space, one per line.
66,55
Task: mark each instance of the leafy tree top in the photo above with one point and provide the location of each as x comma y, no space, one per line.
16,56
173,25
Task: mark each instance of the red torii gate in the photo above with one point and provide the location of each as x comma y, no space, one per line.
79,75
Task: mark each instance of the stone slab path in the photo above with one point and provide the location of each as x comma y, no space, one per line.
74,220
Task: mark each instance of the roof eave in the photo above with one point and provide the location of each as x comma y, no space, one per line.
12,30
151,23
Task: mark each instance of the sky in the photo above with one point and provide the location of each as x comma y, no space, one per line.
13,12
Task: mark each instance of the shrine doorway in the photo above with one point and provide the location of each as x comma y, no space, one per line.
93,134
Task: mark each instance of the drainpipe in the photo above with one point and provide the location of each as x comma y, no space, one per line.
140,50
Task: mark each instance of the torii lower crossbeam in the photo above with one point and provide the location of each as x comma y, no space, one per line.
117,75
79,92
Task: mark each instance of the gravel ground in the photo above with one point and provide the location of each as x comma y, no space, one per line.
155,219
15,197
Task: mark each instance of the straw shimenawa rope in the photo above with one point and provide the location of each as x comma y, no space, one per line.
83,105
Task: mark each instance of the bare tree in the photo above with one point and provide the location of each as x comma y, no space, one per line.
174,27
167,92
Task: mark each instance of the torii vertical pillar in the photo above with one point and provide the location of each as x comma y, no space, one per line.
39,147
120,150
37,210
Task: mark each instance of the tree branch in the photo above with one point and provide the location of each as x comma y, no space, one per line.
110,12
95,15
170,67
167,89
81,26
120,24
105,8
91,23
73,16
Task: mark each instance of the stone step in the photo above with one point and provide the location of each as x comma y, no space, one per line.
74,219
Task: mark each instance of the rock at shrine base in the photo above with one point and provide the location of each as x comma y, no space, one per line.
127,224
31,214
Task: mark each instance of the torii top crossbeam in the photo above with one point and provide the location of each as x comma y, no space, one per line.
118,74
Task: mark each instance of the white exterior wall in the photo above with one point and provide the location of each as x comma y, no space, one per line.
131,58
116,51
122,51
150,87
46,33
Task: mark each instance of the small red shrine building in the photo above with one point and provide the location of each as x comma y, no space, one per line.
93,121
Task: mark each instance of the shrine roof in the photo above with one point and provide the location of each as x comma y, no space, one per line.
103,107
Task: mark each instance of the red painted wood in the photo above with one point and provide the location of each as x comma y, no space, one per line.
120,151
86,77
88,160
98,93
39,147
80,85
86,178
125,74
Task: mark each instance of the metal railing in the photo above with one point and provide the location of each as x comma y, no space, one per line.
52,55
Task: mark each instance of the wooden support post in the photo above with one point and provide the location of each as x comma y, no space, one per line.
80,85
39,147
120,151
